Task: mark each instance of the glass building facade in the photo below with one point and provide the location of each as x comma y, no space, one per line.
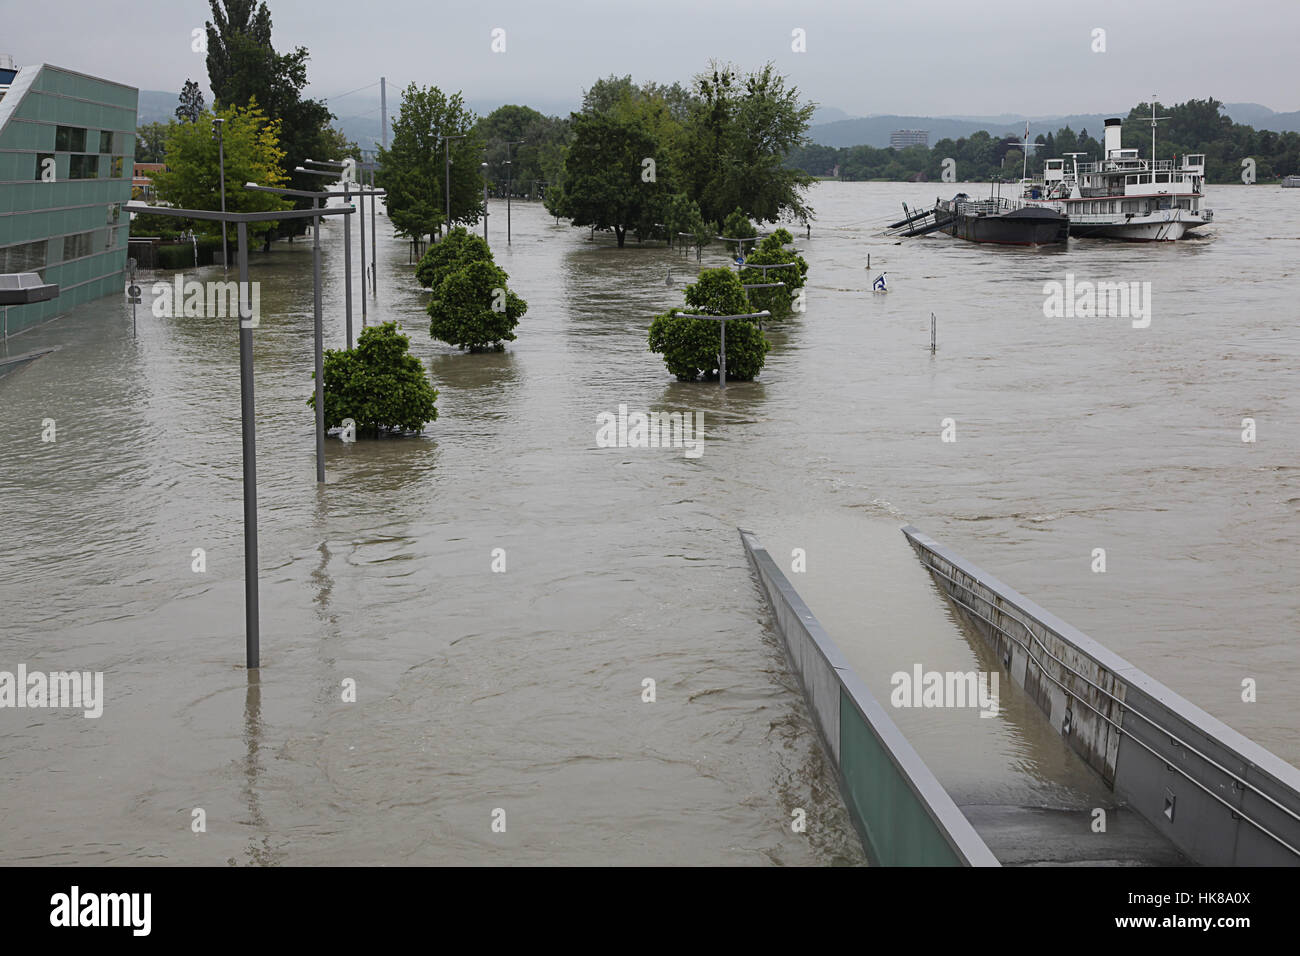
67,145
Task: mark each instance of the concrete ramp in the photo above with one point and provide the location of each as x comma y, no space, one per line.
1210,792
1027,797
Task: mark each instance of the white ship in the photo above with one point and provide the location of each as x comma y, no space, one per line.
1124,196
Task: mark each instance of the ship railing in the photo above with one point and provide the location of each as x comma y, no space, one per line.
982,207
1128,166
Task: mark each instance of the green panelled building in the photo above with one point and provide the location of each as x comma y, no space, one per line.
67,149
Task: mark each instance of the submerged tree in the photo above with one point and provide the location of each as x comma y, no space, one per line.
691,347
771,251
378,384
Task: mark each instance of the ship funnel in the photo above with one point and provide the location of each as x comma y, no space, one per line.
1112,137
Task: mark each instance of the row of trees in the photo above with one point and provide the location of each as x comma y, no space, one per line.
1197,126
651,159
657,160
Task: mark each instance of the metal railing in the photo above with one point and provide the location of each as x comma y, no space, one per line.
1238,782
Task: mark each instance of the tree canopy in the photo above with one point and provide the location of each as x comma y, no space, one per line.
720,145
414,165
253,154
190,106
243,67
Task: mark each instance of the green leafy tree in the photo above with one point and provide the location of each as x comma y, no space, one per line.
243,67
537,151
414,167
740,131
555,200
738,226
608,183
685,222
378,384
690,346
190,107
151,141
473,307
192,178
772,251
458,248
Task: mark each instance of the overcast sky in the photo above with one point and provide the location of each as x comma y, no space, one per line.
923,57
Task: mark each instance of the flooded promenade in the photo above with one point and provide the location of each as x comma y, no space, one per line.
522,690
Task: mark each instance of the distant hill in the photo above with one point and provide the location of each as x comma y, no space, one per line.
1261,117
875,130
158,107
359,119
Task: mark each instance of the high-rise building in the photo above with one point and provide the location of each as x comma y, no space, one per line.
67,146
902,138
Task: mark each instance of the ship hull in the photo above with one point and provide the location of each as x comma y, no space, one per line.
1030,226
1165,225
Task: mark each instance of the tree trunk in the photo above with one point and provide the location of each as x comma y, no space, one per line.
621,232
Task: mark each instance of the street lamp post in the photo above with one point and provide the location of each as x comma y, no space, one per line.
218,126
724,319
484,167
361,203
446,144
252,632
347,239
510,181
374,229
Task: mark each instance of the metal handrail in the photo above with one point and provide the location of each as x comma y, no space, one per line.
1245,784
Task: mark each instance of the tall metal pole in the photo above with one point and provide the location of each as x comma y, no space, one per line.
252,636
320,361
361,201
219,124
347,260
485,214
447,175
510,182
374,228
383,110
722,357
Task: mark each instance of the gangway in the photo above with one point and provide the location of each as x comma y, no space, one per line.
918,222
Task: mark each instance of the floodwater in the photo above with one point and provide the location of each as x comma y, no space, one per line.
517,695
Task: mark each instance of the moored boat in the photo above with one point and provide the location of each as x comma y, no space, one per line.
1124,196
1002,221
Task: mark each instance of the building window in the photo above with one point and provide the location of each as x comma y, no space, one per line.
40,165
114,213
106,141
69,139
75,247
115,170
27,257
83,166
110,238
